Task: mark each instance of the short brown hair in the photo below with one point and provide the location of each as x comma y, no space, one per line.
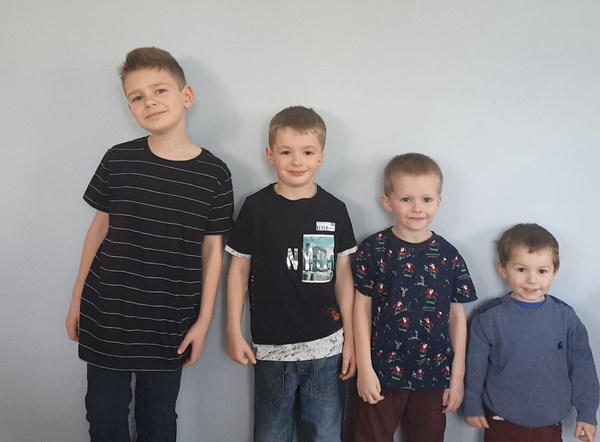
152,58
532,236
410,164
300,119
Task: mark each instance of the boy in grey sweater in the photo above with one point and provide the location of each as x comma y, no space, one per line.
529,360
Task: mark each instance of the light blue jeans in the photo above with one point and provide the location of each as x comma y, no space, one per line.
306,394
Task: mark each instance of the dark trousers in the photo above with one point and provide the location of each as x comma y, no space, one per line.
109,395
420,413
506,431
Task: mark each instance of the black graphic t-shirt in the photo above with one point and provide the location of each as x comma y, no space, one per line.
293,247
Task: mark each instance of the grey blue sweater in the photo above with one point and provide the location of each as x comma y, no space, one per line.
530,366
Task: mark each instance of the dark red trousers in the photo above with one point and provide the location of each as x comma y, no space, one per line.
506,431
420,413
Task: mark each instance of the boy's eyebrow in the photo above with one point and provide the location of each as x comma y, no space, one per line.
152,86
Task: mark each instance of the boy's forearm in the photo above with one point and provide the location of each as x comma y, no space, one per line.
362,331
458,339
212,265
93,239
237,286
344,293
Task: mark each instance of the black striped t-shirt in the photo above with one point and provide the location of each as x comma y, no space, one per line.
143,290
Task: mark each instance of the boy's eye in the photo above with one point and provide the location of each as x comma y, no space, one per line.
309,152
136,98
427,200
284,152
520,269
160,91
543,271
405,199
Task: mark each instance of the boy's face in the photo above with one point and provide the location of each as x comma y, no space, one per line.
156,101
414,201
529,275
296,157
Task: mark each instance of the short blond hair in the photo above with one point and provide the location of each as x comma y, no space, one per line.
410,164
300,119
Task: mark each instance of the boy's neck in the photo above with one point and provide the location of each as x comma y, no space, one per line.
173,146
410,236
295,193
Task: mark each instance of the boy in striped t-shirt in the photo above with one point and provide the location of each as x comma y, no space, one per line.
151,257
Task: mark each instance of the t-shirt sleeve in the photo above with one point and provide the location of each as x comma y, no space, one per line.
97,192
240,239
362,268
463,288
347,240
221,212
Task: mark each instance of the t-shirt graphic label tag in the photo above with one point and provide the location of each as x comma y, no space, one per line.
318,257
325,226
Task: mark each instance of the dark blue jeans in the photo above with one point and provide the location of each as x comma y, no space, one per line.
108,398
307,391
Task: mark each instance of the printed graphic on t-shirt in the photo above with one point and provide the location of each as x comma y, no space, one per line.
318,258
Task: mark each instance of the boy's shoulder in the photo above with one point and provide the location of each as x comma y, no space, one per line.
128,146
490,305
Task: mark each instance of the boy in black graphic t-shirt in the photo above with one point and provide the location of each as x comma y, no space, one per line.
152,255
291,249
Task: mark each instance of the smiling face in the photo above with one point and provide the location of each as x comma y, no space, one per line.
529,274
155,100
296,157
414,200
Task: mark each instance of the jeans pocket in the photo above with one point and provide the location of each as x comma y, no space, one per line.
325,381
269,379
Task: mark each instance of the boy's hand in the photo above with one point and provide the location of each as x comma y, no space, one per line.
453,396
239,351
369,387
348,361
72,321
477,422
196,338
586,432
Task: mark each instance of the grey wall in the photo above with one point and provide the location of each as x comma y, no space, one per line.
504,94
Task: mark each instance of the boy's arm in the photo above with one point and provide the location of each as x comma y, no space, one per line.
584,380
238,348
344,293
212,264
453,396
369,387
95,235
477,367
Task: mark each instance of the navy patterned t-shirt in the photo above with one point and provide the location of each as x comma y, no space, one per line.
411,286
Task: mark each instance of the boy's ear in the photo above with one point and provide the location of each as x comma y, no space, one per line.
502,270
269,153
385,202
188,96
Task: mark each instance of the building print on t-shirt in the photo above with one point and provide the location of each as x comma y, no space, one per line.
317,258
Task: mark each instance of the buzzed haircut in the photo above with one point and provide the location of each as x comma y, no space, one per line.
412,163
529,235
152,58
302,120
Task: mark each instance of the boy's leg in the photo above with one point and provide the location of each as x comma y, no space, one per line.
321,400
107,404
155,399
425,420
379,422
506,431
275,385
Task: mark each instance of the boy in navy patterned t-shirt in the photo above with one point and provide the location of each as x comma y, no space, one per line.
409,319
